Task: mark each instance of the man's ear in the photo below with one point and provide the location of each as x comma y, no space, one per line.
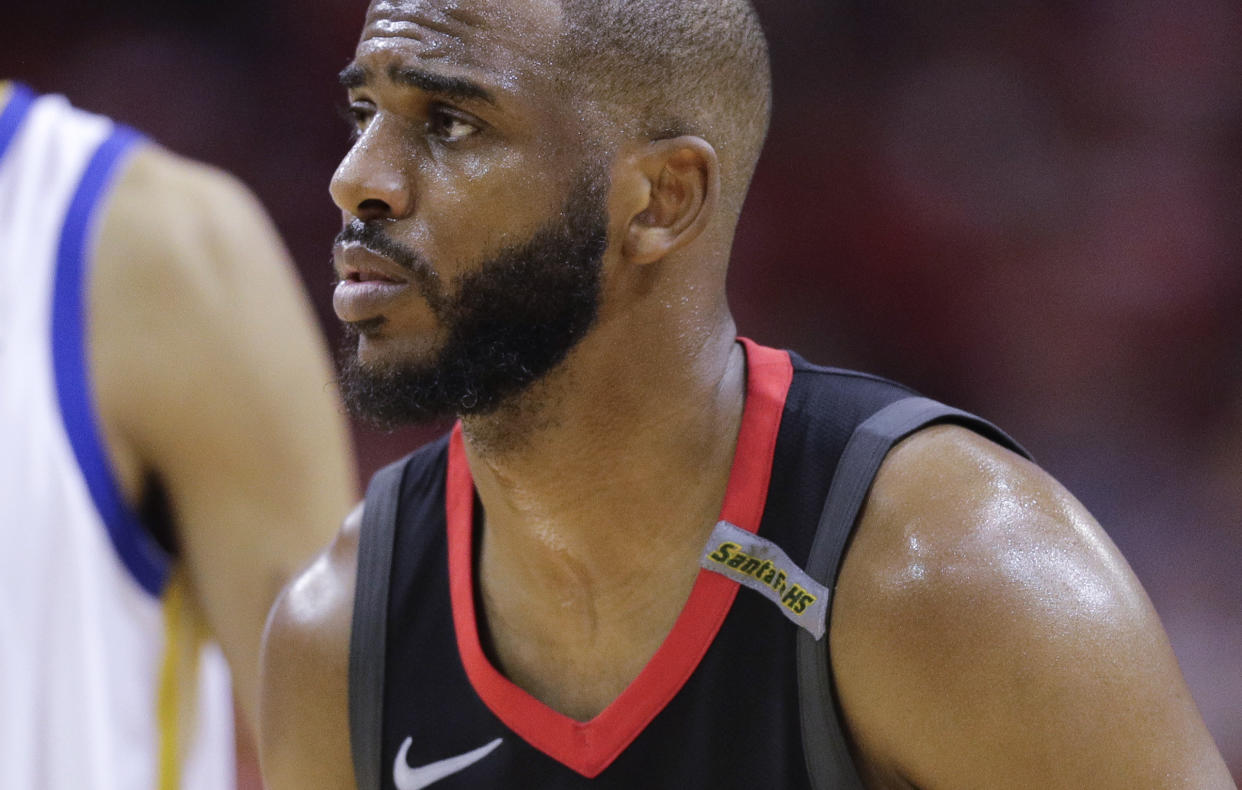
677,191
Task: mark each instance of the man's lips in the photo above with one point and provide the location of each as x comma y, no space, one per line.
356,263
368,283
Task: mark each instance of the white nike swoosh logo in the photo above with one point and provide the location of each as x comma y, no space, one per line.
407,778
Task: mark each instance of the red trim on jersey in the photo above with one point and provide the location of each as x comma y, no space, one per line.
590,747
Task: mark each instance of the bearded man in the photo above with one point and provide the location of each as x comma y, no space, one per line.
538,212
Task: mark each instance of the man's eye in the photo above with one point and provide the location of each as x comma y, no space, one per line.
357,115
450,128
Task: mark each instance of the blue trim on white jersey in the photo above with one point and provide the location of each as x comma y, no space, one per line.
15,109
144,558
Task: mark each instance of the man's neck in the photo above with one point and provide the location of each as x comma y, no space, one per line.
628,468
596,512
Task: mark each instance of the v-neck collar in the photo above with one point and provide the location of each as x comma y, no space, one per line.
589,747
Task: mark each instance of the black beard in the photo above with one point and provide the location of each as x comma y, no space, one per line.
510,322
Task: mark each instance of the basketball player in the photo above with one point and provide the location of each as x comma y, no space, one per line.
538,210
169,452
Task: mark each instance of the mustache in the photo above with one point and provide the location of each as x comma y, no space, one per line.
371,236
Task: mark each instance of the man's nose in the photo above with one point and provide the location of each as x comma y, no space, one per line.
372,182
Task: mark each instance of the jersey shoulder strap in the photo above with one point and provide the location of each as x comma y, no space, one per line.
823,740
369,628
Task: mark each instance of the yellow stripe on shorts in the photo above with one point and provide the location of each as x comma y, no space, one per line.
177,694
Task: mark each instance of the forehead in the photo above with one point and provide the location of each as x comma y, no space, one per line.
504,41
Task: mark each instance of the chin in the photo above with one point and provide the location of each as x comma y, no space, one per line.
382,348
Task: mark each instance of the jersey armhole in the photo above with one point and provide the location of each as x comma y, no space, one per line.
137,549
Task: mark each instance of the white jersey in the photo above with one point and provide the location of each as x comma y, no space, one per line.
105,681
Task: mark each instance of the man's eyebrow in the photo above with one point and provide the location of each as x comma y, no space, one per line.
353,76
459,88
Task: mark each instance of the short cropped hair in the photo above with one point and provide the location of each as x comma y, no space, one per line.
664,68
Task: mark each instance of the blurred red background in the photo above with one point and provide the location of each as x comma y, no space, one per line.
1032,210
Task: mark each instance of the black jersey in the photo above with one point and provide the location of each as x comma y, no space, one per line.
716,707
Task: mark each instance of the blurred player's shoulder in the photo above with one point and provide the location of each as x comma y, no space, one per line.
179,245
166,209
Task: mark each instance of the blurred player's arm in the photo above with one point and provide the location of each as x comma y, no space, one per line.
211,377
987,633
304,709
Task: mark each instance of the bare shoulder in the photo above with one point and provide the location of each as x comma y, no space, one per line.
318,602
210,375
304,699
986,632
188,265
169,227
181,240
178,200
